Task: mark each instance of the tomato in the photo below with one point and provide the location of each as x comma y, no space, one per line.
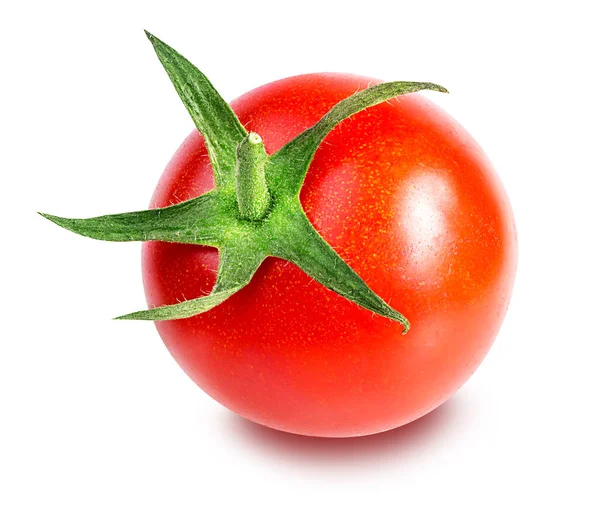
411,203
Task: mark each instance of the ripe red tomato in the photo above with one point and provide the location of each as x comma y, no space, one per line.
411,203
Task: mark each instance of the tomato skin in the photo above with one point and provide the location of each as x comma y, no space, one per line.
410,201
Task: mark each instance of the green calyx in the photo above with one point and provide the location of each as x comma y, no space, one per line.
254,212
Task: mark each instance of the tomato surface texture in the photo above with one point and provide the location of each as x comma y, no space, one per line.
411,203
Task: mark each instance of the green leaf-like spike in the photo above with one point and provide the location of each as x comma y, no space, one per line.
235,272
301,244
211,114
289,165
254,211
203,220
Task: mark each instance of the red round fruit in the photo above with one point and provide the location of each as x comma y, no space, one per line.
411,203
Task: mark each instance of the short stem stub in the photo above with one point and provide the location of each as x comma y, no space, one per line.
250,184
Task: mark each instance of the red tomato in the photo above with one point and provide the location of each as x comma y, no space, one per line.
409,201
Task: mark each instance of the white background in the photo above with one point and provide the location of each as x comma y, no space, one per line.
96,416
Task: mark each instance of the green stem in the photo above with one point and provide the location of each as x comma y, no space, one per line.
250,184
